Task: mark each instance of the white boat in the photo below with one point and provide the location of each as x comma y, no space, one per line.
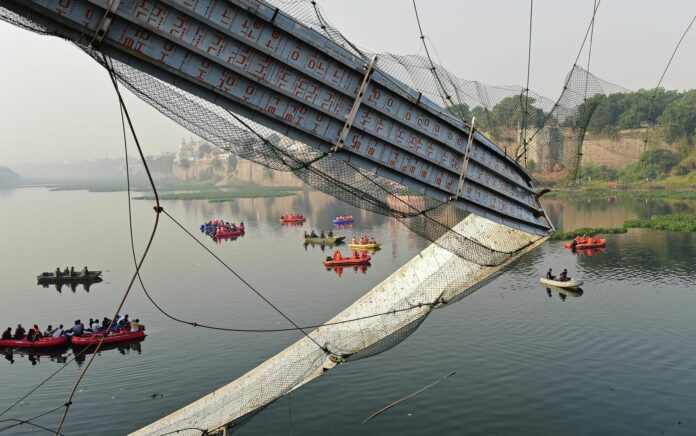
570,284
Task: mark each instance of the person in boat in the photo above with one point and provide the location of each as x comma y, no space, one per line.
48,332
56,273
373,240
330,234
135,326
550,276
312,234
241,224
337,255
354,241
96,325
72,271
84,272
19,332
7,334
57,332
37,332
322,236
76,330
363,255
119,320
105,323
31,335
125,323
563,276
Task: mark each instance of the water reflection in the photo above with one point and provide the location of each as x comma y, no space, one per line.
356,269
72,285
575,212
563,293
62,353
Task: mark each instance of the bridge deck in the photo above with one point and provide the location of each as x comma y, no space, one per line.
256,61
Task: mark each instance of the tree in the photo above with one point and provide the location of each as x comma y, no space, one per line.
204,149
231,163
461,111
679,119
185,164
216,165
652,165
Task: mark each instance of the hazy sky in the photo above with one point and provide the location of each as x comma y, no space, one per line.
57,104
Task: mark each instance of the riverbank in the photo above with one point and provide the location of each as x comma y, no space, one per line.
678,222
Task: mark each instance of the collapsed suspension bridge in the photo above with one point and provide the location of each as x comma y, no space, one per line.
274,83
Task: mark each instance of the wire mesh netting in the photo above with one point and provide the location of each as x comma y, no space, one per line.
545,135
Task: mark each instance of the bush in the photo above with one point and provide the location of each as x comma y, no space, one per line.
652,165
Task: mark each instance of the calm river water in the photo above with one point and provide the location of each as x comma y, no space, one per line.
619,359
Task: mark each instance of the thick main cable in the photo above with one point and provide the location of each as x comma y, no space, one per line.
158,209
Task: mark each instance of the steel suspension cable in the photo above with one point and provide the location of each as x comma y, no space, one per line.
158,209
526,90
565,85
652,99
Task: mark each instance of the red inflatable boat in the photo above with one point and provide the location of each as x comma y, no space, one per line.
90,339
348,261
39,343
230,234
590,244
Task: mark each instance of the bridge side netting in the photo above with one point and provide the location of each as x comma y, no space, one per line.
432,279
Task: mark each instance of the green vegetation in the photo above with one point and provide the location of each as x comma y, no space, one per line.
217,196
589,231
8,177
602,192
652,165
678,222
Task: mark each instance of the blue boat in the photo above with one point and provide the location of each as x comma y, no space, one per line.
342,221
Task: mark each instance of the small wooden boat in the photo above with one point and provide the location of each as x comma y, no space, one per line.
347,261
89,338
364,246
49,277
324,241
39,343
568,284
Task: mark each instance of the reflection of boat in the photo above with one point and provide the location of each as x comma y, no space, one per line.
299,220
569,284
324,241
343,221
49,277
90,339
347,261
589,252
372,247
40,343
564,292
356,268
73,285
601,243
